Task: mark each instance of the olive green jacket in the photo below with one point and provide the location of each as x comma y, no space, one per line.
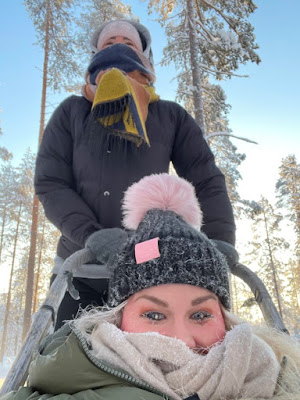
65,369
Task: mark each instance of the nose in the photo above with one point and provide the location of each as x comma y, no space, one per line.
180,331
119,39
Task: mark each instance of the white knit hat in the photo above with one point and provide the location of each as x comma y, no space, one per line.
120,28
143,32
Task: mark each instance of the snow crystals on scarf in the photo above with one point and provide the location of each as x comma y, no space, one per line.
242,366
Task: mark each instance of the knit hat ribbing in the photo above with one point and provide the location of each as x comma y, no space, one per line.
185,254
120,28
142,30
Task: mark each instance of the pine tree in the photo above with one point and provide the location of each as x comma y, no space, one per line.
15,320
54,26
19,216
9,203
268,251
5,155
53,22
209,39
12,271
288,192
229,160
215,114
94,13
206,38
7,199
288,196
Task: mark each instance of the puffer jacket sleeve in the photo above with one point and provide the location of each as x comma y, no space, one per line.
24,393
54,180
194,161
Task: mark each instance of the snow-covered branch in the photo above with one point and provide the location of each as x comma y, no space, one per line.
221,72
183,92
213,134
181,74
209,38
209,4
201,22
213,98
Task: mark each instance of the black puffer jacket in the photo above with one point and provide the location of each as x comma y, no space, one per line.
82,172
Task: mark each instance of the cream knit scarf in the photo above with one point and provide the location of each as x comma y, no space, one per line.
242,366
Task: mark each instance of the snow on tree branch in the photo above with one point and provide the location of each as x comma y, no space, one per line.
213,134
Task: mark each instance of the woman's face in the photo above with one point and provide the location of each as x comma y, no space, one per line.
185,312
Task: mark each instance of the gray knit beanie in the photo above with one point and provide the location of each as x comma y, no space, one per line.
166,247
142,30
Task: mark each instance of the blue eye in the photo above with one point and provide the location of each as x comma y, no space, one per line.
154,316
201,316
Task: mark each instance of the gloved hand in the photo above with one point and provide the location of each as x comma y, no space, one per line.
106,243
228,250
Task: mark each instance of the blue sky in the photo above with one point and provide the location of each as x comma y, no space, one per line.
265,106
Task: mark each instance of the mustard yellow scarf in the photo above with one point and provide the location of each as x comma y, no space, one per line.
121,96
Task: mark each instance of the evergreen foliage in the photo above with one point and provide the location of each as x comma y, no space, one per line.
271,254
288,192
93,14
206,38
5,155
53,22
288,196
16,193
209,40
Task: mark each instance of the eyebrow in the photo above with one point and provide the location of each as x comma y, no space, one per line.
154,300
124,37
200,300
159,302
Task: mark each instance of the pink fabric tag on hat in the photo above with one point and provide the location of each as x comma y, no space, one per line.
147,250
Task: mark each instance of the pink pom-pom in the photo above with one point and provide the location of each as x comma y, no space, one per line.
164,192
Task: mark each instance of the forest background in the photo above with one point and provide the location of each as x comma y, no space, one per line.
263,178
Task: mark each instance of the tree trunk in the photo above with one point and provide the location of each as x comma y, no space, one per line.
37,279
295,287
196,73
273,268
2,231
35,207
8,300
18,330
235,305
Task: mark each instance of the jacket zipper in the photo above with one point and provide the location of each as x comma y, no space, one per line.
114,372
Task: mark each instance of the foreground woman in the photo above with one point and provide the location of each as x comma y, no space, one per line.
168,333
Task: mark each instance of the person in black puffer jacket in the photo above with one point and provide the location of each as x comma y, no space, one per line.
83,168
